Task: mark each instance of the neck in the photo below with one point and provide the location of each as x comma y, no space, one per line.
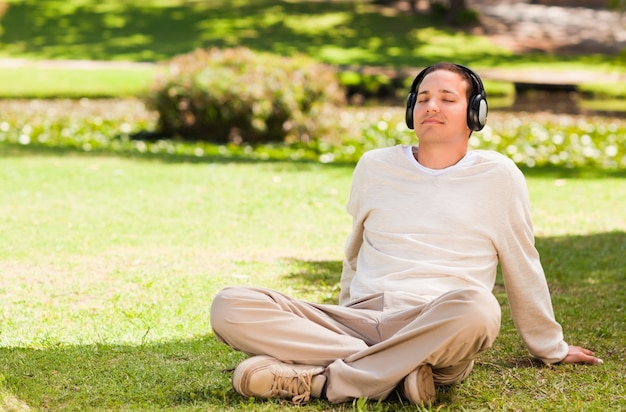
439,157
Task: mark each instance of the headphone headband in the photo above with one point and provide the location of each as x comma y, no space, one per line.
477,103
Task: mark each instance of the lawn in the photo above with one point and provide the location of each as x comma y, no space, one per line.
112,249
33,80
109,265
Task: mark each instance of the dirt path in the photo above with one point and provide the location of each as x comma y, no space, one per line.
524,26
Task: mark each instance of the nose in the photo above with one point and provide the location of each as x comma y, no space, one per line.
431,106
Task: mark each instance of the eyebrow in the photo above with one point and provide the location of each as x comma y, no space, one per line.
440,91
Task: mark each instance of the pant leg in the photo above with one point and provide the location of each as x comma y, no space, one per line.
367,350
447,333
262,321
453,374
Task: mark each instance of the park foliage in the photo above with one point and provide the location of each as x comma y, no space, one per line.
236,95
531,140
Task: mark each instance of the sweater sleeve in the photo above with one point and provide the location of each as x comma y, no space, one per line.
524,278
355,239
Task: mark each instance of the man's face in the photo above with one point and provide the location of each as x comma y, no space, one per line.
440,112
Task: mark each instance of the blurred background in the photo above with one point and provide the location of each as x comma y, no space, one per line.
540,57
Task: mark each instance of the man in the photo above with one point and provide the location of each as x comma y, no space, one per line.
430,224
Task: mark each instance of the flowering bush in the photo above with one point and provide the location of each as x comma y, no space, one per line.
239,96
568,141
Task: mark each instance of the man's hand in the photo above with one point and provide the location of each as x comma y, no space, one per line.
576,354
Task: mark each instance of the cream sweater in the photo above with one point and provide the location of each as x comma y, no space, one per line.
429,233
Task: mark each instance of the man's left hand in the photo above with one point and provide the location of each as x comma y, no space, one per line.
576,354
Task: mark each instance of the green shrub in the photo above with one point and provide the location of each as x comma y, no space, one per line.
236,95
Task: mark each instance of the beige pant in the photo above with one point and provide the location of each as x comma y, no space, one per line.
367,347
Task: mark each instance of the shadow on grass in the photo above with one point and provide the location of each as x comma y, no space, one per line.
584,260
321,278
557,172
103,376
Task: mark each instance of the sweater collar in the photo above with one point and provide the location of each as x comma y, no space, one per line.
467,160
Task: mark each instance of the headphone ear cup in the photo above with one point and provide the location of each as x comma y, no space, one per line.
410,105
477,113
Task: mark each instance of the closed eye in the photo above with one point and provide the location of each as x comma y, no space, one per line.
445,100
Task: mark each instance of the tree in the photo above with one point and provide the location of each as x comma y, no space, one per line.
457,7
453,11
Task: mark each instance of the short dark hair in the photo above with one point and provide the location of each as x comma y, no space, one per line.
451,67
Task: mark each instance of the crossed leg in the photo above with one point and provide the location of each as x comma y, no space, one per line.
367,348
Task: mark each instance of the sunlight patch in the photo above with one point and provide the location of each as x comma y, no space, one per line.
338,55
315,24
134,39
8,402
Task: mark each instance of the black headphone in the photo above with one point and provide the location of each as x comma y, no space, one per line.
476,107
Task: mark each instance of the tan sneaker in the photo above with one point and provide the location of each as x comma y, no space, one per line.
419,387
266,377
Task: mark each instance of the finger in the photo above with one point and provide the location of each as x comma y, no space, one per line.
581,349
591,359
587,351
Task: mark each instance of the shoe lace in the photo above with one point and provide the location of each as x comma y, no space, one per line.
296,385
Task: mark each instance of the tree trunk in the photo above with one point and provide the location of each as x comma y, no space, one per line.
456,7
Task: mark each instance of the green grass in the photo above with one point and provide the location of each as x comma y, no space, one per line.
340,33
109,265
33,81
109,262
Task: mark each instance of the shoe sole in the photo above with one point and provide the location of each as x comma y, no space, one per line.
246,368
422,379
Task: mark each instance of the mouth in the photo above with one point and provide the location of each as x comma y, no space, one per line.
432,120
